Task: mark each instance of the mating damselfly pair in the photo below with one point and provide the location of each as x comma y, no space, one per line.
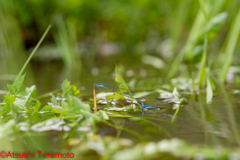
142,105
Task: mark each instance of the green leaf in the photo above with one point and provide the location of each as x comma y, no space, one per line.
9,99
59,109
24,98
31,90
37,106
18,82
68,89
78,104
47,110
118,96
12,89
75,91
209,94
54,101
123,88
142,94
104,115
110,97
16,109
155,61
70,101
65,105
215,21
6,109
66,86
118,77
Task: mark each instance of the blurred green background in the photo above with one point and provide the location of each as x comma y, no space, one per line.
89,37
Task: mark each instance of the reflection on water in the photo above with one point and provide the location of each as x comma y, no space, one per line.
214,124
196,122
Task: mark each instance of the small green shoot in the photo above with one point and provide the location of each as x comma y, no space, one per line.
69,89
16,101
37,106
178,101
123,86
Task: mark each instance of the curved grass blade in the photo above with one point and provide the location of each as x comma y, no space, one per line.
231,44
19,79
33,52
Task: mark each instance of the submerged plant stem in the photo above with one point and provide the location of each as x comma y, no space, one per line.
175,114
231,115
125,129
158,126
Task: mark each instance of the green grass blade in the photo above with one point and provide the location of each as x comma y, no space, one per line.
201,80
33,52
189,45
230,46
198,28
179,19
193,82
201,2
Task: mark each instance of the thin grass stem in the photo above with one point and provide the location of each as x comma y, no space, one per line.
33,52
202,74
175,114
231,44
